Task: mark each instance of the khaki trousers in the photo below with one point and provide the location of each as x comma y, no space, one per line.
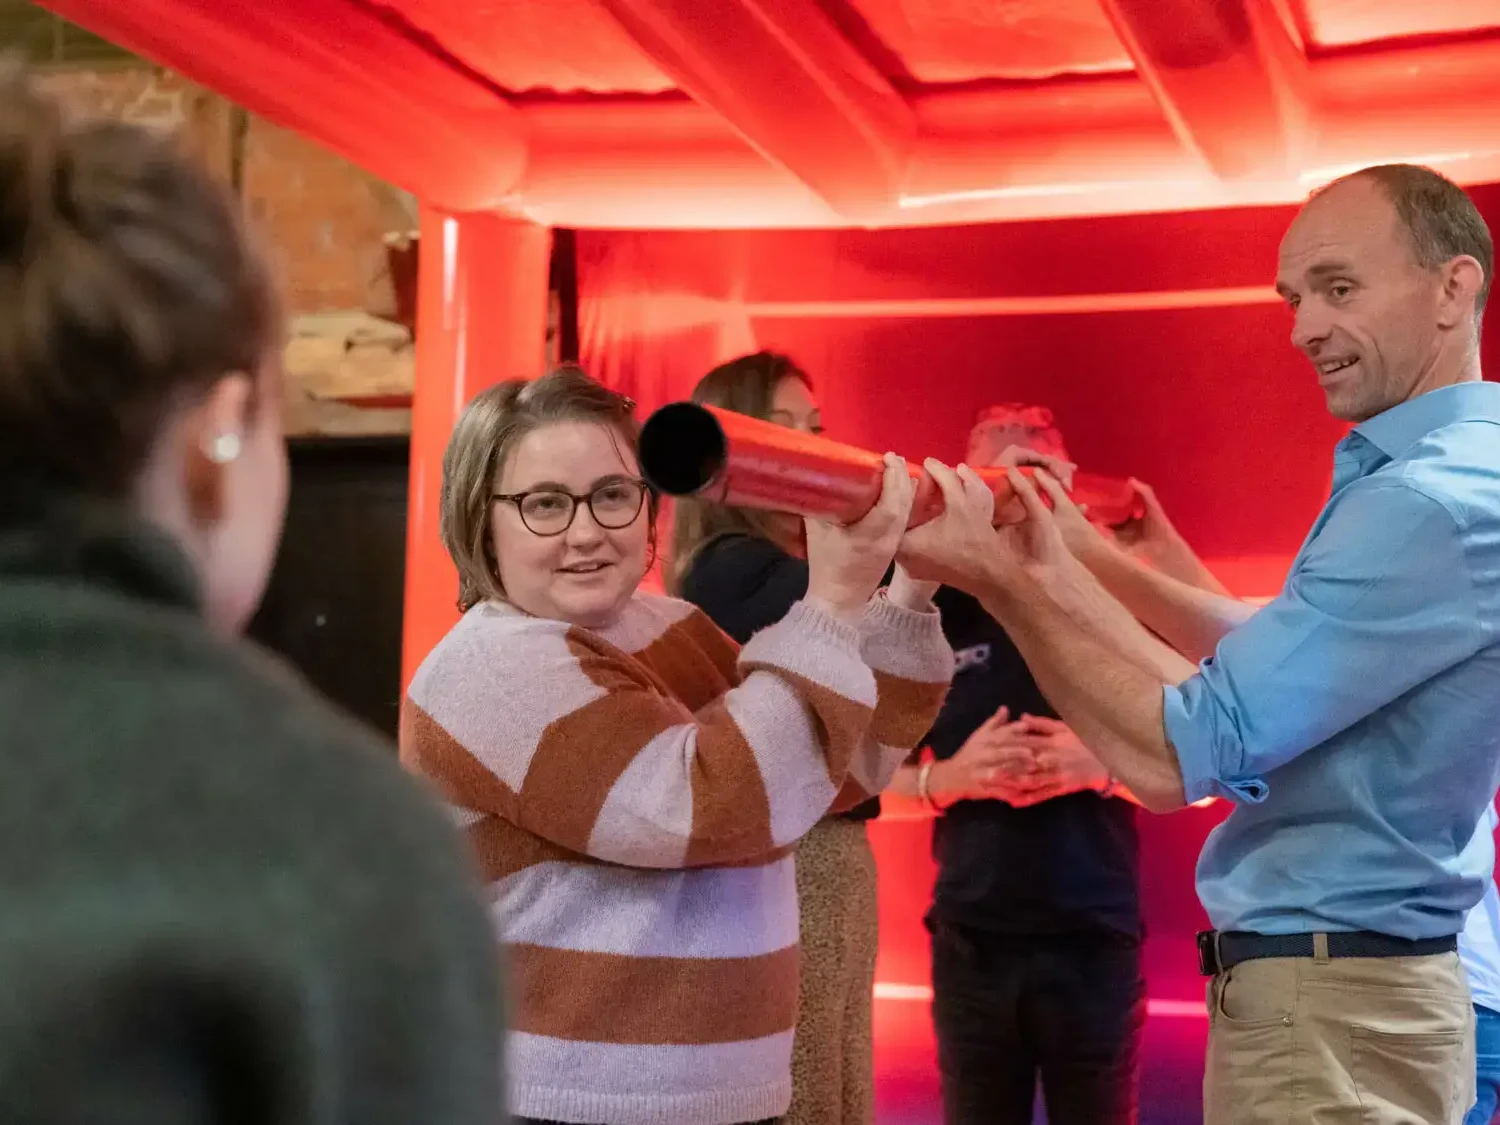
1342,1041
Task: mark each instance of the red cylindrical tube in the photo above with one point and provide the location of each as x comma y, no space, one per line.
688,449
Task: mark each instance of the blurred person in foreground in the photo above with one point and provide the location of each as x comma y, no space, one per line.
224,902
746,569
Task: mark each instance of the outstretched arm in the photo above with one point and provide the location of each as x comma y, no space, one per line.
1175,596
1352,631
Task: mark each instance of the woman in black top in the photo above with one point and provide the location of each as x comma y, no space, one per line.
223,901
745,570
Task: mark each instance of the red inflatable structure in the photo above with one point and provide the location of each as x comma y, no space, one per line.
506,117
712,113
792,118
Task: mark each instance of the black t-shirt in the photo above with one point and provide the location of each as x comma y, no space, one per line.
1062,866
745,583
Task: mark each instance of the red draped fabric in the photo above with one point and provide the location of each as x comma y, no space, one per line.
652,322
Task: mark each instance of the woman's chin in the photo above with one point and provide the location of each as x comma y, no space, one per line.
594,609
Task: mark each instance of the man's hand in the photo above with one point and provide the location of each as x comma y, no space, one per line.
1153,530
1086,541
984,764
953,546
958,547
1156,542
1062,764
1014,456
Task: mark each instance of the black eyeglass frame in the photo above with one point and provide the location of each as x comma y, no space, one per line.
519,498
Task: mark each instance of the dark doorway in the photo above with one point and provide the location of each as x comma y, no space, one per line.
333,606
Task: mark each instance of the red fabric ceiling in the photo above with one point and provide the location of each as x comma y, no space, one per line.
1341,23
541,46
939,41
875,113
912,42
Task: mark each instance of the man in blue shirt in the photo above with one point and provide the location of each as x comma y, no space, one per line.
1354,721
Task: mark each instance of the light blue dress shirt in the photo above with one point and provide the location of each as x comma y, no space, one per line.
1355,719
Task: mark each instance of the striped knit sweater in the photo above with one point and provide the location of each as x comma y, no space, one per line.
634,795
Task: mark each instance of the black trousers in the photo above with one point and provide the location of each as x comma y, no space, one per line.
1011,1008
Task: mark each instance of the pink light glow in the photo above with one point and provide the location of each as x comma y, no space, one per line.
922,994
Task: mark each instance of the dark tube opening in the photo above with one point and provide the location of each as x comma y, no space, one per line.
683,448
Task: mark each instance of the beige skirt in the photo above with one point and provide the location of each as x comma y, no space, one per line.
833,1079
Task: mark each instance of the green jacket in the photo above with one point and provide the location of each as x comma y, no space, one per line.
220,901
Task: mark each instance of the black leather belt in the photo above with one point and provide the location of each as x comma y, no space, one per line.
1219,951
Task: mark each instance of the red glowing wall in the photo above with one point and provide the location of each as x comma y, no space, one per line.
909,333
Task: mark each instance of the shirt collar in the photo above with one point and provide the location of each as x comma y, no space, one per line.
1396,430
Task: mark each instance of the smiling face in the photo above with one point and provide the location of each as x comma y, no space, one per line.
586,574
1367,315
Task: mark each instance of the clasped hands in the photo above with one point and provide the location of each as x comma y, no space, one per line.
1022,762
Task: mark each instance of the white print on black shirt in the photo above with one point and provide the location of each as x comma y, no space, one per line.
975,656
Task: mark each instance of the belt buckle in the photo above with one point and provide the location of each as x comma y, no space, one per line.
1208,953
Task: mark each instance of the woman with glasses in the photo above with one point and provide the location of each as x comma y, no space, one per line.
633,781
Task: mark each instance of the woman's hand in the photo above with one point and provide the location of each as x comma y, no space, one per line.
952,547
846,564
911,593
1062,764
985,765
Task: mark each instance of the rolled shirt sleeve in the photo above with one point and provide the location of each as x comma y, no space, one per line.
1380,600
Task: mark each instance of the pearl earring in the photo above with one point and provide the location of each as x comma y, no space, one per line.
224,449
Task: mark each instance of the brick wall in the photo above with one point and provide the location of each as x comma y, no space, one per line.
322,219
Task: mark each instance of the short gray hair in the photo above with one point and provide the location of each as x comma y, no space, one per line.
1439,218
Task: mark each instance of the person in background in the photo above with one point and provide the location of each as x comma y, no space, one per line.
633,780
1036,920
224,902
1479,950
745,570
1354,719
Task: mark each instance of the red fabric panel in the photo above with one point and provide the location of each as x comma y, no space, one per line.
1211,405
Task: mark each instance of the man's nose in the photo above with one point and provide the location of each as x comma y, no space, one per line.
1310,328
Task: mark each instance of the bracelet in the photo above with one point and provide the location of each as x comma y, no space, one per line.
1111,787
924,794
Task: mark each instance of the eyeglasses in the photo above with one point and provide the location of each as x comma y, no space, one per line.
614,505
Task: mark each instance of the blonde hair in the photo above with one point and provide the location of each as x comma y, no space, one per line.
746,385
487,433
